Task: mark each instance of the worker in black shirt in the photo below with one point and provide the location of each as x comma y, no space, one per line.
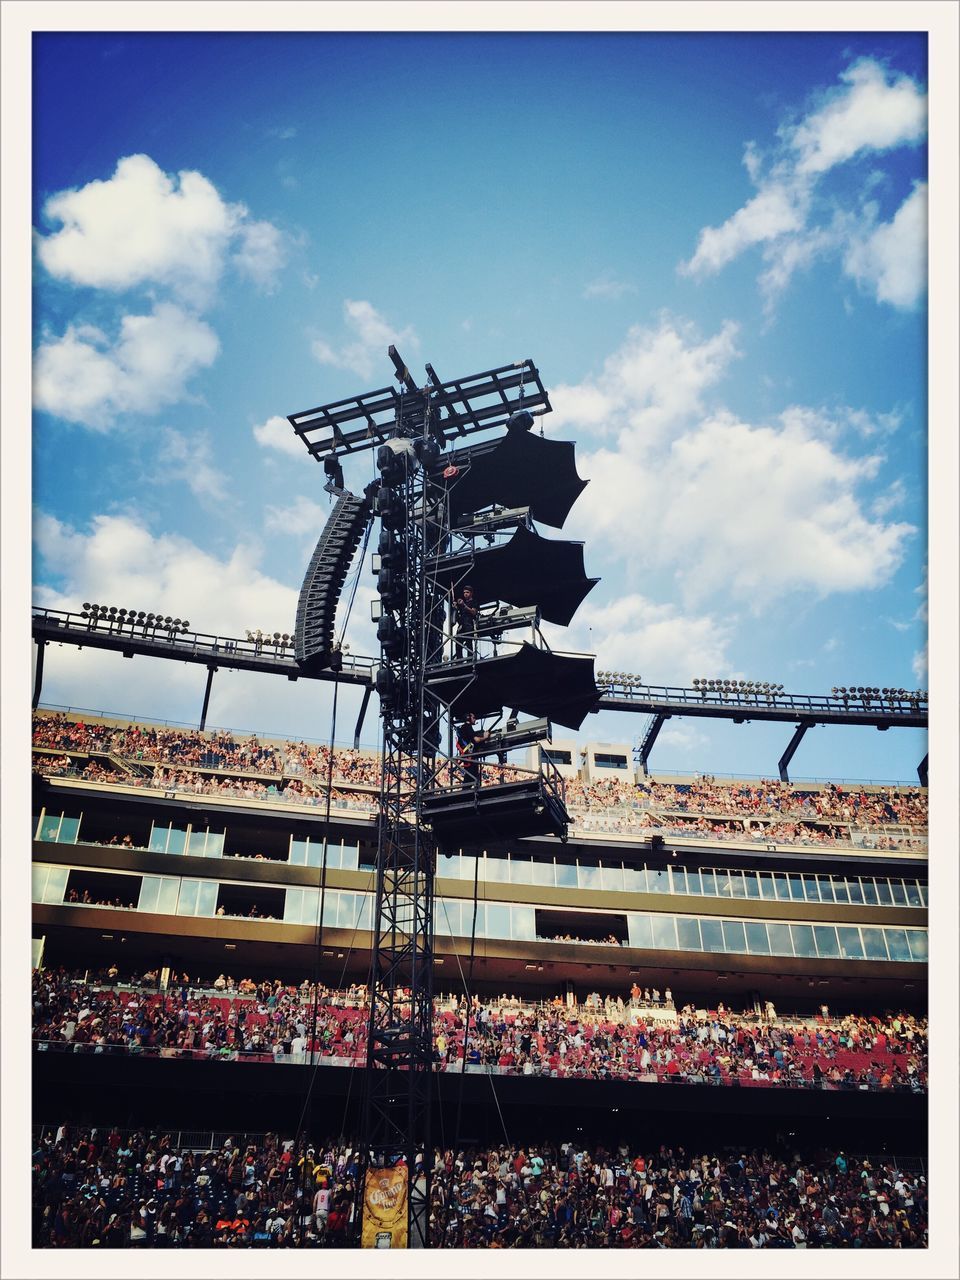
468,736
465,611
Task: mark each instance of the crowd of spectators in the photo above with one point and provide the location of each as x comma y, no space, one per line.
297,772
610,1038
98,1188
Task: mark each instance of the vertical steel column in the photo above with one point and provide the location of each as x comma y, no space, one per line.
38,674
211,671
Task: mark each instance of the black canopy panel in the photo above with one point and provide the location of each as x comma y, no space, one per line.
527,570
520,470
534,681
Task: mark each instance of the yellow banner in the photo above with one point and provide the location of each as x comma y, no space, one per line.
385,1209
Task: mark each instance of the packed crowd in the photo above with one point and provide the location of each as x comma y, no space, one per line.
93,1188
297,772
606,1039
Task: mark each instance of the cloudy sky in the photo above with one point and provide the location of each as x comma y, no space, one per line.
713,246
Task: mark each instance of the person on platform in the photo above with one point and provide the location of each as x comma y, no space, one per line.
465,611
468,736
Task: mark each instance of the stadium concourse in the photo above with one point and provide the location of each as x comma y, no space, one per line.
700,1022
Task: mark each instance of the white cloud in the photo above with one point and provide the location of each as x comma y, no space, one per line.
654,641
682,738
190,460
750,512
608,287
300,517
372,335
889,260
920,665
875,112
260,253
82,378
654,381
775,210
144,226
277,433
871,111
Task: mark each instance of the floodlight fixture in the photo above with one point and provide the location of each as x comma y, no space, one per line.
333,471
522,420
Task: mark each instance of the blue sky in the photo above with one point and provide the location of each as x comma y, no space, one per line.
713,246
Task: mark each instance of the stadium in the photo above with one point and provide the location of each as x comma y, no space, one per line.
489,986
487,811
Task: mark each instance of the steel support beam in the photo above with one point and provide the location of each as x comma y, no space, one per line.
649,738
360,718
211,671
795,741
922,770
38,675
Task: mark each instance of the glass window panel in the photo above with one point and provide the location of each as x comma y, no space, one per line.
664,932
292,903
197,843
734,938
709,882
918,940
310,908
869,890
678,877
498,920
897,946
783,888
169,889
826,938
215,841
334,855
897,892
448,866
874,947
207,898
187,901
803,944
840,890
855,891
566,875
694,884
37,820
611,877
331,905
712,934
39,884
826,888
658,880
736,880
158,839
543,873
781,943
757,943
56,884
349,914
496,870
851,948
767,887
366,913
884,893
68,830
350,857
149,893
635,879
752,884
588,876
811,888
639,931
796,888
912,889
50,827
523,923
724,884
448,918
688,934
923,893
298,852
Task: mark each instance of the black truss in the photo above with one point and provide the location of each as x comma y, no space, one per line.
460,407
